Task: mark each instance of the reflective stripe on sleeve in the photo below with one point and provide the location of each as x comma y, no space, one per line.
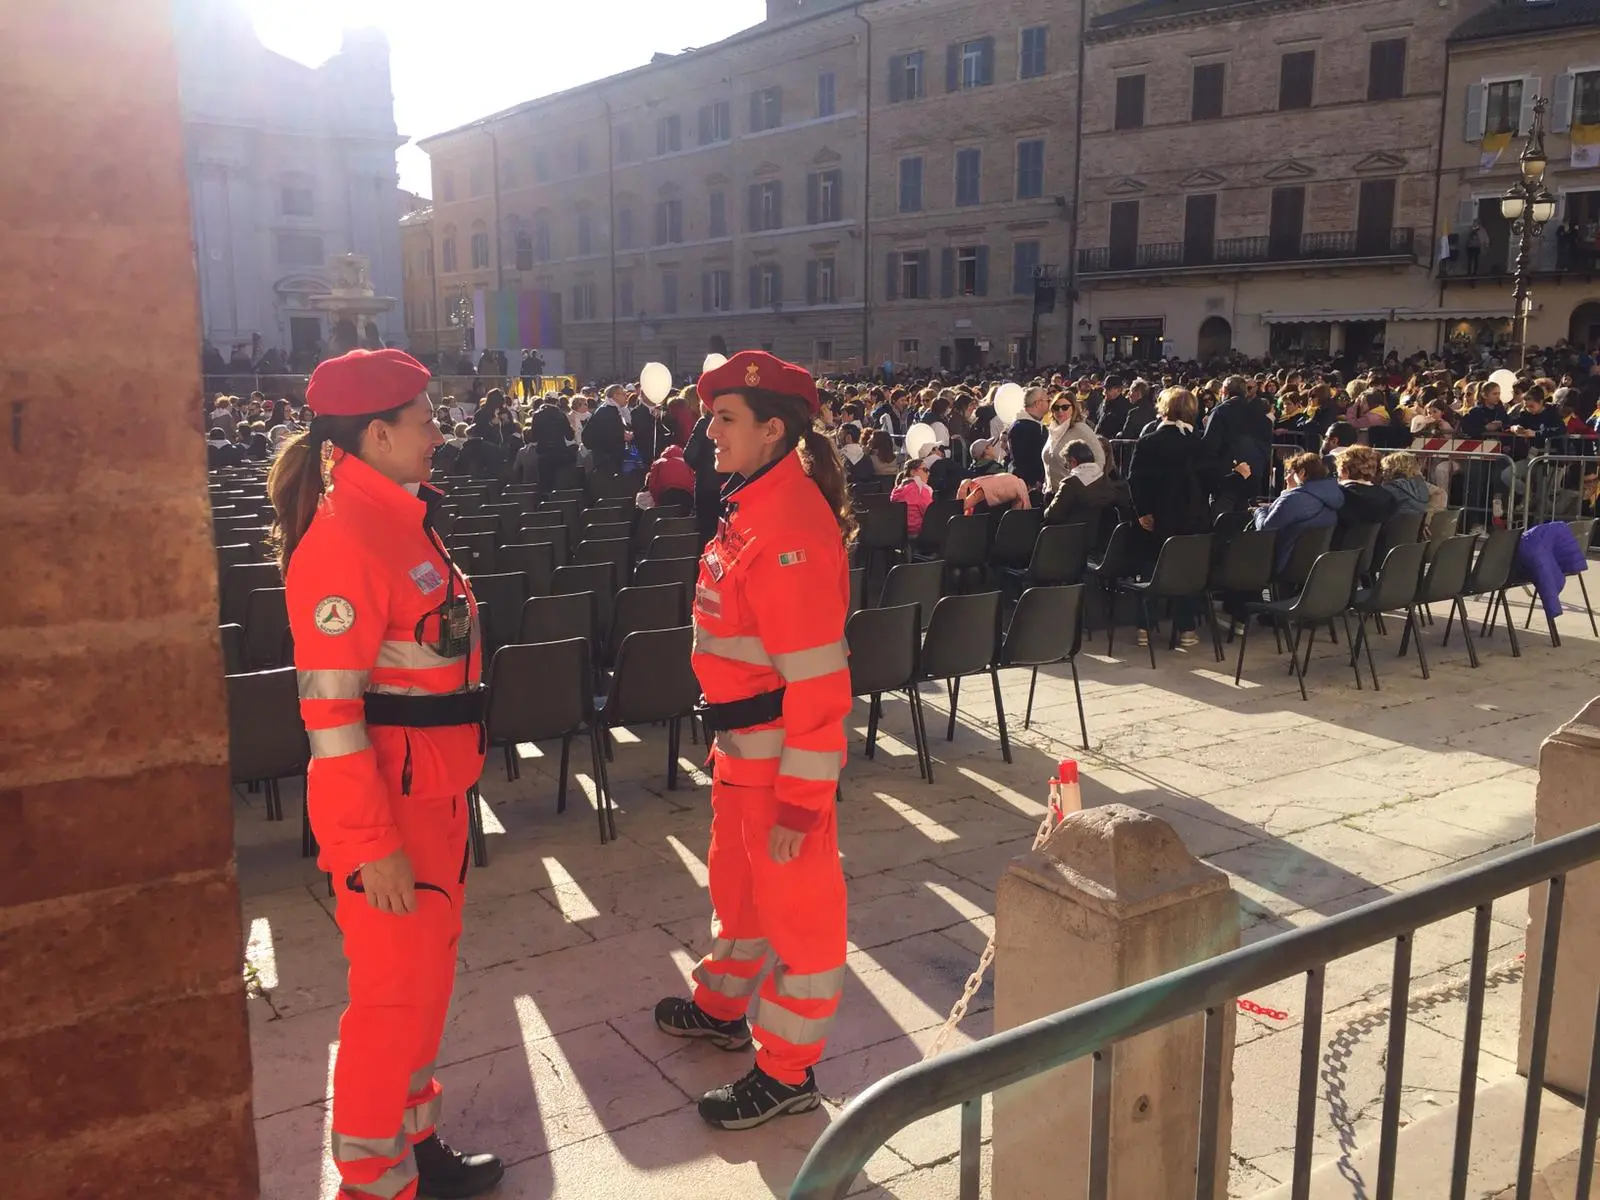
420,1119
800,665
339,741
736,649
821,766
759,743
332,684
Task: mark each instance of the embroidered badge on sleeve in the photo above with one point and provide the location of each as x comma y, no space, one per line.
791,558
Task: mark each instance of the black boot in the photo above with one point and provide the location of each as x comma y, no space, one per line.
756,1099
446,1174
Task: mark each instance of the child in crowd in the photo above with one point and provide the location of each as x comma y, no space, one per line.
912,489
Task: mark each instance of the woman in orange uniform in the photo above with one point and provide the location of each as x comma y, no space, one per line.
386,650
769,614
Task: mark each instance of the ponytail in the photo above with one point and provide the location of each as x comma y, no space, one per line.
907,471
294,484
821,461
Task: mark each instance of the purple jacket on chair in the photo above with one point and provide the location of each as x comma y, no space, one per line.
1549,553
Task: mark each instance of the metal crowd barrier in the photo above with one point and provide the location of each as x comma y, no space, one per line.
964,1076
1556,487
1476,481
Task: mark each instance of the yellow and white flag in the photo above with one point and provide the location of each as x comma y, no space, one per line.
1492,146
1585,146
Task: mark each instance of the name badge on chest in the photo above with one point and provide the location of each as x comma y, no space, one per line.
714,565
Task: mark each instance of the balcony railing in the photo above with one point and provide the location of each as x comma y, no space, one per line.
1346,244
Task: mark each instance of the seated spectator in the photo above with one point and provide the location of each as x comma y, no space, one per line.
1309,500
1339,435
669,473
912,489
258,446
986,457
221,450
1402,478
1366,502
1086,492
1000,490
1367,411
849,439
882,454
1435,420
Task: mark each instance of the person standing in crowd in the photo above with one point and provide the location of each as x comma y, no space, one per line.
1167,478
1141,409
700,454
1067,425
386,650
1238,430
769,616
912,488
606,433
1027,440
532,372
1113,409
550,435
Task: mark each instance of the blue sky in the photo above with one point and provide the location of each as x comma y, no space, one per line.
461,59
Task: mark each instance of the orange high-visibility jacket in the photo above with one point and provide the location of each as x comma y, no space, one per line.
364,582
769,613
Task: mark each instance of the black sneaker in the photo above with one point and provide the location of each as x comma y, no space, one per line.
446,1174
756,1099
686,1019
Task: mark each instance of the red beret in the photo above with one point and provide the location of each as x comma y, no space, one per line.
750,370
365,382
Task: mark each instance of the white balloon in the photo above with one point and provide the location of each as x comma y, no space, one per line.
712,362
920,438
1507,381
655,381
1008,401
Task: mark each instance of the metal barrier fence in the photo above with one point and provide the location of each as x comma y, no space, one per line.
964,1076
1478,482
1556,487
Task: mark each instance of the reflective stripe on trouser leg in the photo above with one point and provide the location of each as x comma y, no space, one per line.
424,1101
726,979
791,1019
381,1168
733,968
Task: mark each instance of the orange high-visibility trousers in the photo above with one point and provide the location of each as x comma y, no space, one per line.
402,971
794,910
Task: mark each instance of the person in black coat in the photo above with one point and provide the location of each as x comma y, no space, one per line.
1141,410
1238,430
1113,409
1366,501
1027,438
550,433
701,454
645,425
604,435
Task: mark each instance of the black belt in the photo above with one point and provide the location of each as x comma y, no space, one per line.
741,714
426,712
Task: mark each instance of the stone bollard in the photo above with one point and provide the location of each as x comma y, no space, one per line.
1111,899
1569,765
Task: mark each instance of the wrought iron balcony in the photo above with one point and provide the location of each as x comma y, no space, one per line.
1349,245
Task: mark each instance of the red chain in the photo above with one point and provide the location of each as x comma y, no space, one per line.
1250,1006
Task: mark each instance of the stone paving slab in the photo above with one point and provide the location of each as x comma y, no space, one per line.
552,1056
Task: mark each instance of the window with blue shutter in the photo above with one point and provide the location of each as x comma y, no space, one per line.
1030,169
969,171
1032,62
1024,262
911,185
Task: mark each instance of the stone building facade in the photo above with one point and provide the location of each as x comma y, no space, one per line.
1259,176
1181,177
289,167
427,329
1500,59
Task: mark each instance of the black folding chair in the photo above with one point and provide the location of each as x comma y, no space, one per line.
558,618
1014,537
1445,578
1120,561
535,560
234,660
1329,588
503,594
537,692
1183,567
883,535
653,682
936,518
1047,628
474,553
662,606
883,658
268,643
966,551
674,545
267,739
1245,565
238,582
914,583
652,571
615,551
858,588
1060,557
1491,576
1583,531
599,578
1399,580
961,641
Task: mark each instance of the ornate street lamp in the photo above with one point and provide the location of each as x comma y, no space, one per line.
1529,206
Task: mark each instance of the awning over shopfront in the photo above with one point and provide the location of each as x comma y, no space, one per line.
1383,314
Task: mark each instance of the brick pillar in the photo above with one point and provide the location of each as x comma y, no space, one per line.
124,1050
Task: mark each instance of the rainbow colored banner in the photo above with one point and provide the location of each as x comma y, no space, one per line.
516,321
